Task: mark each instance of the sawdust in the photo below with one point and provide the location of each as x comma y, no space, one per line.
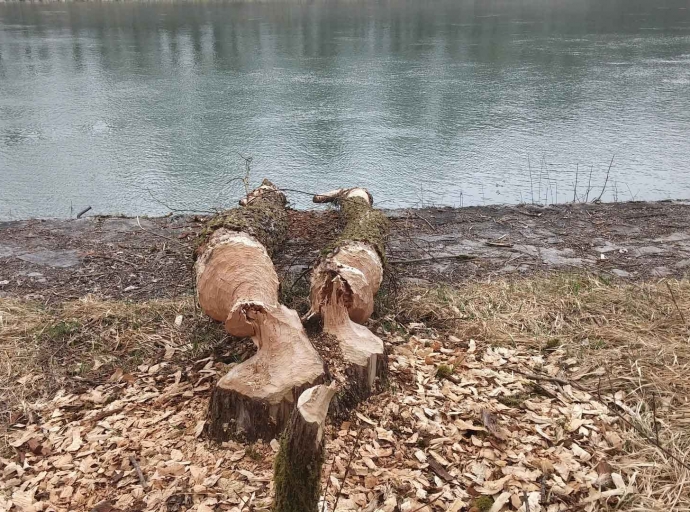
440,442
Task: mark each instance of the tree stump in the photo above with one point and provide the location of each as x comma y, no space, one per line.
297,473
238,285
255,399
343,286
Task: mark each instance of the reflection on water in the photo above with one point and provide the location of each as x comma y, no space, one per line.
422,102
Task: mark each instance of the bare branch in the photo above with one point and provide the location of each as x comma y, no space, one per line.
608,172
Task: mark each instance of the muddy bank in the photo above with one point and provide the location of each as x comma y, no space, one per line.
136,259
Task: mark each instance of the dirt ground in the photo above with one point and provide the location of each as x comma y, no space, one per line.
538,361
526,394
145,258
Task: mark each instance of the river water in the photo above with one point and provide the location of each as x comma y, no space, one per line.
126,106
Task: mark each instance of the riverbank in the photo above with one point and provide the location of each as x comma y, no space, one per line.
144,258
527,368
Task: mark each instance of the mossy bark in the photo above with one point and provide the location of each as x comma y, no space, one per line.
362,224
264,217
297,471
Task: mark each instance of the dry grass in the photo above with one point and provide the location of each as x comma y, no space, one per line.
77,344
625,338
630,339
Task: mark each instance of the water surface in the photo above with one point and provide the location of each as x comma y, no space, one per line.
124,106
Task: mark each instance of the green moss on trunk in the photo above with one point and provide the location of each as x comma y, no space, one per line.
362,224
264,218
297,472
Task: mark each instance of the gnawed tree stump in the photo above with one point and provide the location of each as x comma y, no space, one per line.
297,473
238,285
344,284
255,399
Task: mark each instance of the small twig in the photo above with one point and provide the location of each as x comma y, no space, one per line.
542,490
310,194
302,274
632,197
347,469
83,212
178,210
104,414
534,376
608,172
328,481
422,218
137,468
247,170
673,297
589,185
525,500
656,425
531,183
491,243
430,503
156,234
577,172
433,258
529,214
239,498
112,258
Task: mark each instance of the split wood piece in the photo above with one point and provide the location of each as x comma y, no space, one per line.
238,285
297,472
344,284
255,399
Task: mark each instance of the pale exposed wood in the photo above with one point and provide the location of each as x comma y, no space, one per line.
255,399
360,267
238,285
235,270
361,348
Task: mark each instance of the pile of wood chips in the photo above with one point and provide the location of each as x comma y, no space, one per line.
457,429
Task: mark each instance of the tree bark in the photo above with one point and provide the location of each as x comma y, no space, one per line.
343,286
297,473
238,285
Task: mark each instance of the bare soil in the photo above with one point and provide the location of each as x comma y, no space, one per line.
141,259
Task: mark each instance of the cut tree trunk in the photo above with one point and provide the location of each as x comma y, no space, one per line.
238,285
233,258
344,284
255,399
297,473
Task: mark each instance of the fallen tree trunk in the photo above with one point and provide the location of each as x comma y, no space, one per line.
343,286
238,285
297,473
233,257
